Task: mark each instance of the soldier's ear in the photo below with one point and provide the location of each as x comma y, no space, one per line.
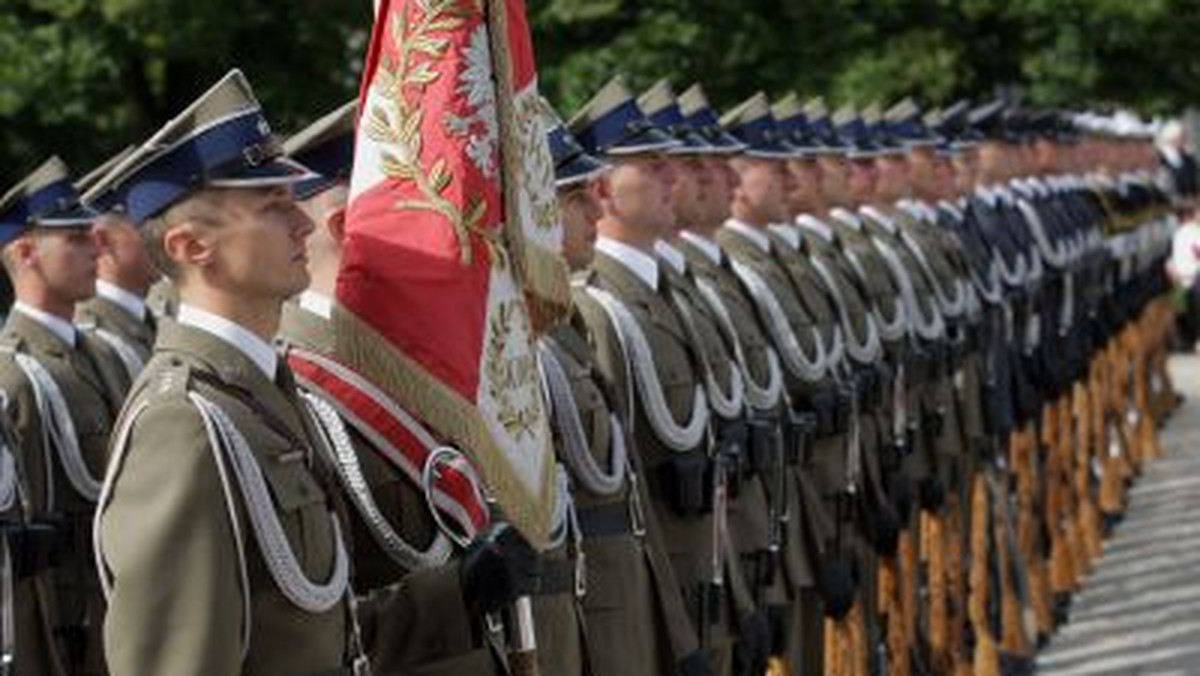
187,246
20,253
335,224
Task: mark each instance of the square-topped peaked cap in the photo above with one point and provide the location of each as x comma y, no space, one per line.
46,198
953,125
699,113
611,123
879,130
854,132
572,164
103,202
326,148
820,125
221,140
752,123
662,109
793,124
988,121
906,123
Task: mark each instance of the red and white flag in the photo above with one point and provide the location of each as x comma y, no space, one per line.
451,227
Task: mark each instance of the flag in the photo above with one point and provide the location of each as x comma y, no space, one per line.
451,228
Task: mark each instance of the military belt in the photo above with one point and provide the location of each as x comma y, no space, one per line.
556,577
608,520
831,413
37,546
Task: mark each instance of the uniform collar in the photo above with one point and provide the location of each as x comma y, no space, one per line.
126,300
816,226
256,349
641,264
846,216
317,303
789,234
879,217
757,236
710,249
668,254
61,328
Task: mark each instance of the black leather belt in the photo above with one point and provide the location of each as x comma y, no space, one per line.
606,520
556,577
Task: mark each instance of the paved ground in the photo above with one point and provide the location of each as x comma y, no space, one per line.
1139,611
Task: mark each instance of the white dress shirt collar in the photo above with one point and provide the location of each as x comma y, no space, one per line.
317,303
61,328
846,216
879,217
710,249
668,254
788,233
757,236
816,226
641,264
126,300
256,349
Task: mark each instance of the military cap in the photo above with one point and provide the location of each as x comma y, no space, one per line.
45,198
854,132
326,148
102,202
83,183
696,110
611,123
793,124
662,109
820,125
989,121
572,164
906,123
881,134
221,140
752,123
953,125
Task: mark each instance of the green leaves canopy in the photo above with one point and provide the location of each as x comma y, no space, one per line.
82,78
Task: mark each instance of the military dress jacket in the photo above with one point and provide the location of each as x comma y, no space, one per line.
66,600
687,527
130,338
190,591
634,614
412,620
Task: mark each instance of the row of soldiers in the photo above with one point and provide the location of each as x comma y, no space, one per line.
842,392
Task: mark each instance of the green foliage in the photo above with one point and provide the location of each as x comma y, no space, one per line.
82,78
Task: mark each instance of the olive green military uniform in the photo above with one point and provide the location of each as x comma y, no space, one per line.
674,479
634,616
413,620
921,364
163,298
811,525
92,386
130,338
192,593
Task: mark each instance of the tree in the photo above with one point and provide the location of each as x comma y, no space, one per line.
83,78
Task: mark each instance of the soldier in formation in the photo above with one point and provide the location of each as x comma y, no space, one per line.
852,391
